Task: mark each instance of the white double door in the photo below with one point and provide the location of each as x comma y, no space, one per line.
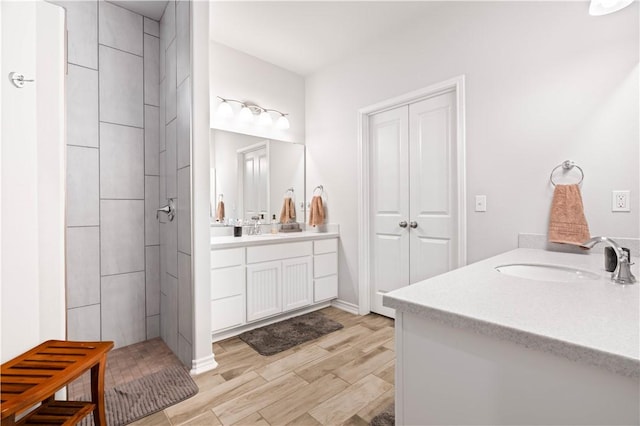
413,195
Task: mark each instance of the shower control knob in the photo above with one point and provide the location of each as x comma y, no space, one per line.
403,224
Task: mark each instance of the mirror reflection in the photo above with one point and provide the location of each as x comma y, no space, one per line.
256,178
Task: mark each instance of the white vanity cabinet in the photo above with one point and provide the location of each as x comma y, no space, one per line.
257,283
278,279
325,269
228,288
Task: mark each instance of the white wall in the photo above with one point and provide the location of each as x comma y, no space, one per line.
545,82
245,78
32,176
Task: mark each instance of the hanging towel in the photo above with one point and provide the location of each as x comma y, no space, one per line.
567,223
220,211
316,214
288,213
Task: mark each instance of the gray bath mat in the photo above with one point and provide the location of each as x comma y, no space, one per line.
385,418
139,398
278,337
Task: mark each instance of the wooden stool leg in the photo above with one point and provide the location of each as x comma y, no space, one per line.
97,391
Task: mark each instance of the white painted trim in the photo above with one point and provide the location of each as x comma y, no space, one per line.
456,84
399,371
203,365
352,308
202,353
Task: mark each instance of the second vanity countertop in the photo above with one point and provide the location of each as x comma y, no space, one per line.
229,241
592,321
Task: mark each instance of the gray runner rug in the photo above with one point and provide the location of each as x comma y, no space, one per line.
278,337
139,398
386,417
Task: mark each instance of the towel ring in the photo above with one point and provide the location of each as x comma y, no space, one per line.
289,193
319,187
220,197
567,165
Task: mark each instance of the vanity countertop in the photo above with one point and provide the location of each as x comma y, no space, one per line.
229,241
591,321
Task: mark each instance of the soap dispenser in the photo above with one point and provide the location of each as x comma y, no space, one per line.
274,224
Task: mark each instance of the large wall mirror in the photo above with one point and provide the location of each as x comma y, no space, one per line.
253,176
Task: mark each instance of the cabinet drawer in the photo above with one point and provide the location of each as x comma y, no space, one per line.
325,288
325,246
325,264
227,282
227,313
228,257
278,251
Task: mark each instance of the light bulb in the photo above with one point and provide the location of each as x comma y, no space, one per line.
224,110
265,118
282,123
604,7
246,116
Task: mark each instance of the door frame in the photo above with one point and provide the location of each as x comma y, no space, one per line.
240,153
457,85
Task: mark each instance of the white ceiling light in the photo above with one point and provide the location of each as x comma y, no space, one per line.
604,7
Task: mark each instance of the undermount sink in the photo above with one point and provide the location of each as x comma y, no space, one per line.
542,272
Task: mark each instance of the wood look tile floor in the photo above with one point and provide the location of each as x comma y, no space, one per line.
343,378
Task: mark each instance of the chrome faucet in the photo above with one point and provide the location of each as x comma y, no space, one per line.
622,274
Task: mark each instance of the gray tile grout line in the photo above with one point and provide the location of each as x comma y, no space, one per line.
144,181
120,50
99,169
123,125
82,66
120,273
83,146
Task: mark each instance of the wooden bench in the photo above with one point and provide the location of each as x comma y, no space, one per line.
35,376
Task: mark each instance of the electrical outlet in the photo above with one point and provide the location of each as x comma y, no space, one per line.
620,201
481,203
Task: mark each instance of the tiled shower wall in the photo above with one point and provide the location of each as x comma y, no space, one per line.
176,293
113,183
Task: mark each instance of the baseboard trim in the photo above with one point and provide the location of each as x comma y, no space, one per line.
203,365
225,334
352,308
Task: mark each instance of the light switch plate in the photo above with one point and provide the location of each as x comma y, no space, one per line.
481,203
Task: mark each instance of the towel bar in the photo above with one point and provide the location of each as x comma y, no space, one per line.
566,165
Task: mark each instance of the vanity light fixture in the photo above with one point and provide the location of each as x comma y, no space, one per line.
604,7
249,111
224,109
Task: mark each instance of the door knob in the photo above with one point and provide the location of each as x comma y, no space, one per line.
413,224
403,224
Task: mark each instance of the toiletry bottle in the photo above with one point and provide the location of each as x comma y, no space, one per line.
274,224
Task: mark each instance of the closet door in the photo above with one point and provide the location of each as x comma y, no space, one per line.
433,205
389,201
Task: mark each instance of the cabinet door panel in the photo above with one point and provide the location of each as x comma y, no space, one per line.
227,313
226,282
325,288
264,290
296,283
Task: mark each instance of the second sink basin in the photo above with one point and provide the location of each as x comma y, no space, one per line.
542,272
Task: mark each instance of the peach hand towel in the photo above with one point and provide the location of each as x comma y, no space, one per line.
316,214
220,211
288,213
567,223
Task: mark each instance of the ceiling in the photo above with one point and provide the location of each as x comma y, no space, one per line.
300,36
150,8
305,36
